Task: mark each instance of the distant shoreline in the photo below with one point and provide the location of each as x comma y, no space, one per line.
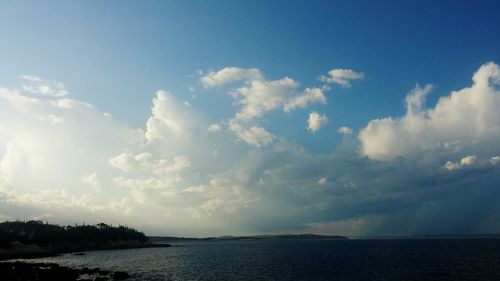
173,239
170,239
432,236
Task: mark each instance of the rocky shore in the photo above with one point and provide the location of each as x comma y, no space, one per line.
25,271
32,271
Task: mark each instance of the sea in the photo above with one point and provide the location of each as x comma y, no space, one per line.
342,260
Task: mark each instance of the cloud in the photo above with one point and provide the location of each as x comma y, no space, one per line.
50,151
51,142
261,97
309,96
466,161
214,128
315,121
92,181
167,179
322,181
344,131
170,118
143,162
256,136
229,75
53,119
464,121
342,77
36,85
495,160
195,188
46,145
257,96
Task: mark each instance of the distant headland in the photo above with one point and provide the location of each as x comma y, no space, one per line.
171,239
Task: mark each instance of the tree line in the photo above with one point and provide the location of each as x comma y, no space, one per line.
43,234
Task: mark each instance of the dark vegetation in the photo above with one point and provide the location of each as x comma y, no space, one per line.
38,239
43,234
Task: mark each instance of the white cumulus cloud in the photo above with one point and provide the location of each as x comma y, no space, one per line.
342,77
170,118
261,97
164,178
466,119
315,121
309,96
257,96
256,136
229,75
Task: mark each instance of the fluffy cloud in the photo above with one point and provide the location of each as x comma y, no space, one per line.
466,161
50,150
258,96
344,131
170,118
256,136
342,77
309,96
315,121
465,121
167,179
229,75
261,97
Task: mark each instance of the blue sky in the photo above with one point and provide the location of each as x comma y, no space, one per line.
112,57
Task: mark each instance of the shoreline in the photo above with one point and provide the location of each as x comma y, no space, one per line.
29,251
19,267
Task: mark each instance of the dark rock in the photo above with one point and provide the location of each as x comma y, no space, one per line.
86,270
120,275
59,273
20,271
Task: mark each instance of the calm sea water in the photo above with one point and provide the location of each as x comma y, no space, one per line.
384,260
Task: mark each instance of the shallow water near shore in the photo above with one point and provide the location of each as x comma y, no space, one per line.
343,260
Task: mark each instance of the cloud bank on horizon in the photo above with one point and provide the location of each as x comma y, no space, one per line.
433,170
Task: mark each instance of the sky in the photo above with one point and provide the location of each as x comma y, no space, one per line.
207,118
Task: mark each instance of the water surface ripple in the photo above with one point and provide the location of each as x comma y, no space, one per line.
342,260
